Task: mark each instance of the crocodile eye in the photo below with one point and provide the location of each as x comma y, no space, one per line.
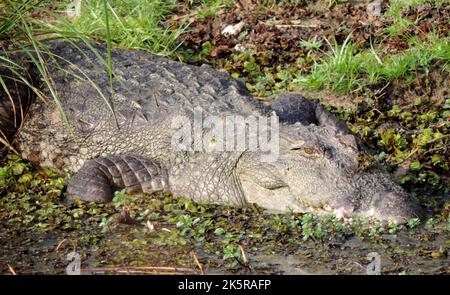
306,149
310,150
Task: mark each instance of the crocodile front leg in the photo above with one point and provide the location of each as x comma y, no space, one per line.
98,179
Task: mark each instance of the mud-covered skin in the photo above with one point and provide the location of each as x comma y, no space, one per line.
318,164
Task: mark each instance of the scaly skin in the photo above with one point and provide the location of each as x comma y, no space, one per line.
319,163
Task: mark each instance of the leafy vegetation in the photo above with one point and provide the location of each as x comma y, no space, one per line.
412,139
392,79
223,236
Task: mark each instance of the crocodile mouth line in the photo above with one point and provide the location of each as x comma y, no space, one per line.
340,213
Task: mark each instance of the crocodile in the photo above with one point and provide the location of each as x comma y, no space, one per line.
124,133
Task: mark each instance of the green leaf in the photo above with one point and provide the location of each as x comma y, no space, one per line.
219,231
18,168
415,165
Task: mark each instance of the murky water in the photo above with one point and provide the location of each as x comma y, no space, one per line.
33,253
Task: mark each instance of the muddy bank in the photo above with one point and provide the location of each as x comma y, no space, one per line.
38,230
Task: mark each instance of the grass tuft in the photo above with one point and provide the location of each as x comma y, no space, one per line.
344,69
132,24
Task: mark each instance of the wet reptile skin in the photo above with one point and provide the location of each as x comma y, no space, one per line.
318,164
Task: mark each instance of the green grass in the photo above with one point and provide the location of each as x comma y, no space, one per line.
344,69
339,68
132,24
399,23
206,8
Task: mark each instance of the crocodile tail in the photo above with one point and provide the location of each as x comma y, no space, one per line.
98,179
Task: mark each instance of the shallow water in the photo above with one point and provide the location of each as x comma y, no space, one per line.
34,253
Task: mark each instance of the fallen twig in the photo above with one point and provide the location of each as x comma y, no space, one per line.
295,24
244,257
197,261
11,270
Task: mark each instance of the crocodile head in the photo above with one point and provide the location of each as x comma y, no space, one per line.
321,167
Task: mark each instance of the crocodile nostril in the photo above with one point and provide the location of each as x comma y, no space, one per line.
329,152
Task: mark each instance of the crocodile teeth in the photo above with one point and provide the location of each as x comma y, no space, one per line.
341,213
328,208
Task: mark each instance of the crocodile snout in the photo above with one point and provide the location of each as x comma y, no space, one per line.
391,206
